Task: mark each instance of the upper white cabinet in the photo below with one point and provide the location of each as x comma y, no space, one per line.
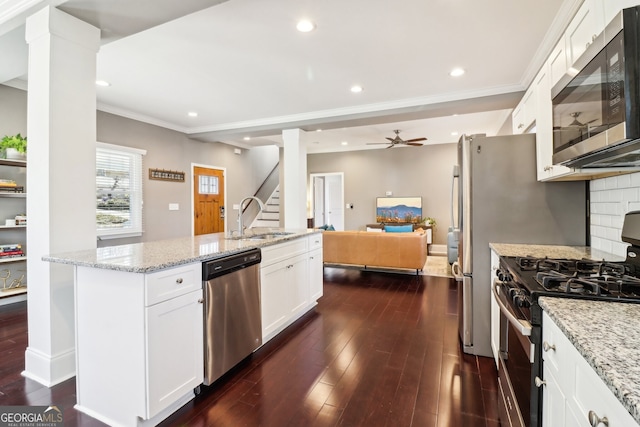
587,24
524,115
583,29
557,64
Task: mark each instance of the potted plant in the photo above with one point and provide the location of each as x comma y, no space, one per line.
13,147
430,221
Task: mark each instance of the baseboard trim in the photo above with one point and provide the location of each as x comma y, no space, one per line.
49,370
440,250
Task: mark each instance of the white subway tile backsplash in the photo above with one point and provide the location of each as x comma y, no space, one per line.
611,199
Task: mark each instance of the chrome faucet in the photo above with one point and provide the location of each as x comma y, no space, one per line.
241,208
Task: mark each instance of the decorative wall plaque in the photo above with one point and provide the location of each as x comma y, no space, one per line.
166,175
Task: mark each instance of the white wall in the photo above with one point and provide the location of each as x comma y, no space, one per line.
611,199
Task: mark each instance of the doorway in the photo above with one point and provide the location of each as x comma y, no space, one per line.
328,199
208,200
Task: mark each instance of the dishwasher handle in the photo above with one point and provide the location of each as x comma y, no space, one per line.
228,264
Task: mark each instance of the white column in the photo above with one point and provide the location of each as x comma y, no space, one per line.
61,129
295,178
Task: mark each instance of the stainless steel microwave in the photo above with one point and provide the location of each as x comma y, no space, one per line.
596,105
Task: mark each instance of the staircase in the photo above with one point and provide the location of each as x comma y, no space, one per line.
270,217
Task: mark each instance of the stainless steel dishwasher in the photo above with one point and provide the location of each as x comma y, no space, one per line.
232,316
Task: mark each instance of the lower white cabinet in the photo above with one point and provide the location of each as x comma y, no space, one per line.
139,343
572,389
290,282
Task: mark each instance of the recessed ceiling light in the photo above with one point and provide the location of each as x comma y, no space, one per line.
318,130
356,89
456,72
344,143
304,26
192,114
102,83
454,133
247,138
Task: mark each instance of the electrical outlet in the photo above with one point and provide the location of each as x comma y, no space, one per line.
174,207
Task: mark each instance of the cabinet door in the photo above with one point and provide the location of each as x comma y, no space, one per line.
316,280
553,401
557,64
612,7
297,278
517,119
274,294
175,349
583,29
530,105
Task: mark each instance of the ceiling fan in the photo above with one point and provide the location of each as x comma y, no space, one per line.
576,123
399,141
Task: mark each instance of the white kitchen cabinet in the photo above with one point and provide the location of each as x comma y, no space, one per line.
570,381
289,282
139,343
524,115
495,309
557,63
174,350
316,267
583,29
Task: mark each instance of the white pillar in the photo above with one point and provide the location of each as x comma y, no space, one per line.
61,129
295,179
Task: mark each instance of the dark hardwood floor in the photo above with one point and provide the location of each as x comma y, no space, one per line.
380,349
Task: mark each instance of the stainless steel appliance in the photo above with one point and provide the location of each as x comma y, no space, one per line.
499,200
232,315
520,282
596,105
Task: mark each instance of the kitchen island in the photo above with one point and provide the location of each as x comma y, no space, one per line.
607,336
139,315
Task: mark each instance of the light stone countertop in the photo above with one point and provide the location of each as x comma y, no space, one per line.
552,251
157,255
607,335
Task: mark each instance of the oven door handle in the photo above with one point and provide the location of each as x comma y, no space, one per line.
522,326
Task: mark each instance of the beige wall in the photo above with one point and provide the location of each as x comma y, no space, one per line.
412,171
167,149
13,111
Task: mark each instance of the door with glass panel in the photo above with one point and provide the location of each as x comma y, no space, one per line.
208,200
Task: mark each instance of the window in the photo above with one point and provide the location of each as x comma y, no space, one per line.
118,191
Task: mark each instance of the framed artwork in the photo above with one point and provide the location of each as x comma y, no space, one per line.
399,209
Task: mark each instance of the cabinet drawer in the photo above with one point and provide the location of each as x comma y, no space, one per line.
315,241
173,282
556,348
278,252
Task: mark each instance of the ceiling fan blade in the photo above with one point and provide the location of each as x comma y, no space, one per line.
416,140
390,139
377,143
391,146
415,144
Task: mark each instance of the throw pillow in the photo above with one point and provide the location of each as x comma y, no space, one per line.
375,230
330,228
323,227
398,228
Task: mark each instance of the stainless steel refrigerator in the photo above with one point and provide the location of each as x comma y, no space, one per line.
499,200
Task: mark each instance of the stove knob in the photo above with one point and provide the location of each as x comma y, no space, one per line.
521,300
503,276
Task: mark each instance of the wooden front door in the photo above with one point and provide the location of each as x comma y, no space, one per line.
208,200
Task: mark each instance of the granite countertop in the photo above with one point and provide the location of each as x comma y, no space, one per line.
607,335
152,256
552,251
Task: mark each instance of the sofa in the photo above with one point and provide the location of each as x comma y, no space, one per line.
370,249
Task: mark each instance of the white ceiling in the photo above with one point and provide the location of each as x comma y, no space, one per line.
243,67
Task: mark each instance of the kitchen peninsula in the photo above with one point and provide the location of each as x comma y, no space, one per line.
139,315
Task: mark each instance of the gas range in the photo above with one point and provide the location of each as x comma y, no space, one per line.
524,279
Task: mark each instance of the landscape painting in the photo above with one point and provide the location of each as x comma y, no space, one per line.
399,209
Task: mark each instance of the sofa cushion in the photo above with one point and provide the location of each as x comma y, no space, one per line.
398,228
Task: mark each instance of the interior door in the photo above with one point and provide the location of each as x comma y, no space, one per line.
319,218
334,199
208,200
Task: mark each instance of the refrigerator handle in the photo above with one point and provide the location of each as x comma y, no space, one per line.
456,175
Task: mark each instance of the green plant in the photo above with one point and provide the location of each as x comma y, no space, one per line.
428,220
15,141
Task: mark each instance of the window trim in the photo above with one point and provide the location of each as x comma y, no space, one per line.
103,233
